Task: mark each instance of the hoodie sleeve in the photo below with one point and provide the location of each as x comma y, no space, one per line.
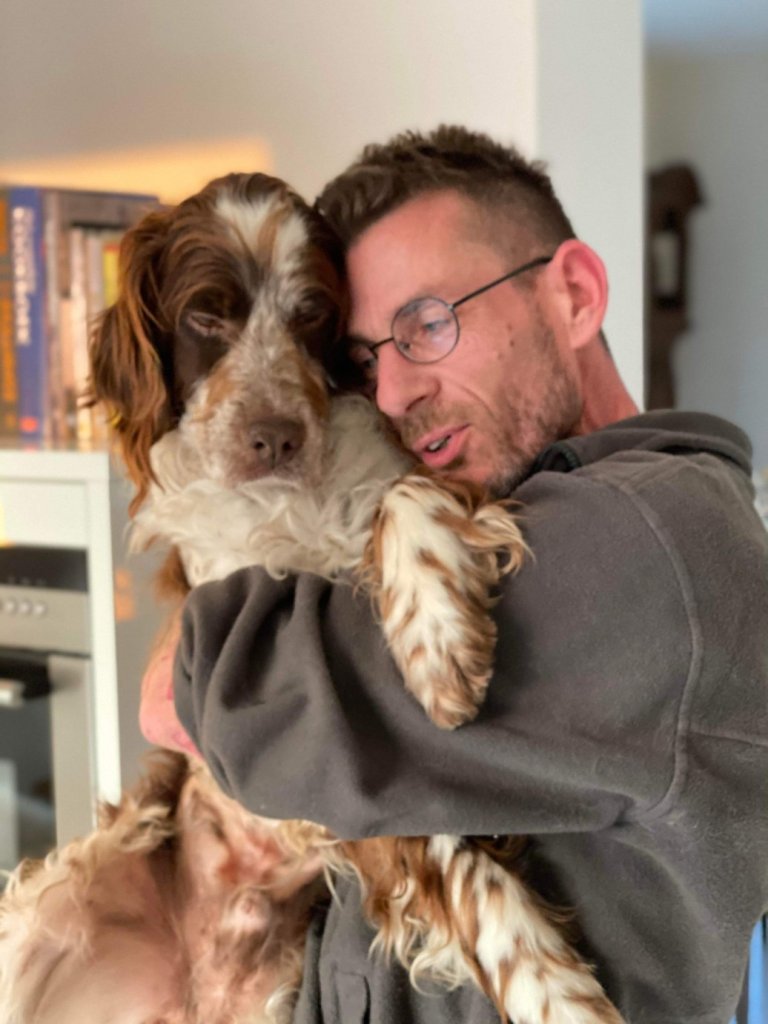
289,692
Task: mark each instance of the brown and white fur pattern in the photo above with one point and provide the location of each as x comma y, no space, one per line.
183,908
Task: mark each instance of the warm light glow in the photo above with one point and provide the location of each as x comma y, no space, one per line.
171,171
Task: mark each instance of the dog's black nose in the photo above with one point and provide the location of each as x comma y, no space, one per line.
276,440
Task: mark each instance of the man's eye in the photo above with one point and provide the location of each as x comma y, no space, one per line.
205,324
368,368
364,360
361,370
434,326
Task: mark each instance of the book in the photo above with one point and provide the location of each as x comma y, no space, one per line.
102,247
110,263
78,312
62,251
26,227
56,409
9,399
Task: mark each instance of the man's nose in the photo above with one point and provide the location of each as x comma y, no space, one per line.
400,383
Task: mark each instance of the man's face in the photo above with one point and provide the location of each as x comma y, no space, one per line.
510,386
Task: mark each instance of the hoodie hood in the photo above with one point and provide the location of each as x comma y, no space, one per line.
659,431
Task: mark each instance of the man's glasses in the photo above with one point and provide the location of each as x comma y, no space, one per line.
426,330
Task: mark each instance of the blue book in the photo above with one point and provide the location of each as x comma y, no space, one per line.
9,402
29,318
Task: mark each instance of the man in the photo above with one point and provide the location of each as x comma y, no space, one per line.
626,726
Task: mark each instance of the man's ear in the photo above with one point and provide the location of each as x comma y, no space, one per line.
580,290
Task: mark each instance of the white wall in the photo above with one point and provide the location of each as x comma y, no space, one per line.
709,110
590,88
313,82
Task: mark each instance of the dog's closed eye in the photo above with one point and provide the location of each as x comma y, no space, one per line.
315,326
206,325
201,341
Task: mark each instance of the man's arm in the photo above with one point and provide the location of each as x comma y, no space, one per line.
289,692
158,720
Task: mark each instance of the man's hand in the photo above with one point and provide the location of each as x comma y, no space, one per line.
157,713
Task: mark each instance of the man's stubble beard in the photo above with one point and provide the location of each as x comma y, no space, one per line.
528,430
524,431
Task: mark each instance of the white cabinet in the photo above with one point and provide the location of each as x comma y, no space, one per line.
78,499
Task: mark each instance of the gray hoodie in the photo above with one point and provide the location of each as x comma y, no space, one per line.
626,725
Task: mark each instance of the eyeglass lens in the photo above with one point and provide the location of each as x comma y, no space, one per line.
425,330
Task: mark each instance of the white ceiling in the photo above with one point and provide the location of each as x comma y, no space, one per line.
709,26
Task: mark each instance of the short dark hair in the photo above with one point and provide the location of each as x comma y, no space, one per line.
496,178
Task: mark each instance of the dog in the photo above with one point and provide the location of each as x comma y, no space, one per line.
213,363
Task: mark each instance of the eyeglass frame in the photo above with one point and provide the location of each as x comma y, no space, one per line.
371,347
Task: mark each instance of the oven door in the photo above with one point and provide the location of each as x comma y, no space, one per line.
47,791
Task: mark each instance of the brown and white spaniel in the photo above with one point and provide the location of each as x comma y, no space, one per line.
183,908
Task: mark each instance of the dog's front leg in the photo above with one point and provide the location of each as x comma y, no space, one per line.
434,560
451,914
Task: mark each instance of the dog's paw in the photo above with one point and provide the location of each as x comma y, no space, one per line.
435,558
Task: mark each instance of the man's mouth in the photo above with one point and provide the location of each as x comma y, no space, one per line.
440,448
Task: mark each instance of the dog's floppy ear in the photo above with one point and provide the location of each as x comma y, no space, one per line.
130,352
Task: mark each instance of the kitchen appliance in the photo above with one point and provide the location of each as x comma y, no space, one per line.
47,784
77,620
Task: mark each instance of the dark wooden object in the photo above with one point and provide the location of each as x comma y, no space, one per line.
673,192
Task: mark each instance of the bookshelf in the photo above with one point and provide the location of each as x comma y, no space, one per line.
59,254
